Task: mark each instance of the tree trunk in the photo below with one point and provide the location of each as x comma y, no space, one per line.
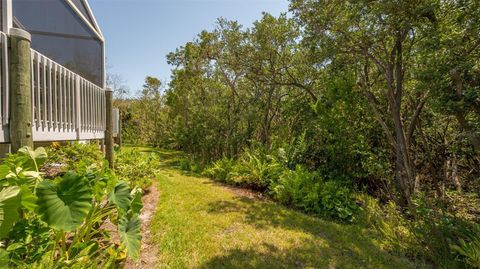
454,174
404,172
461,116
467,128
265,138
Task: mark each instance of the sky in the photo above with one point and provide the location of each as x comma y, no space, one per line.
140,33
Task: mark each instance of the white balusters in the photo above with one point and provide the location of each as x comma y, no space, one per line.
66,106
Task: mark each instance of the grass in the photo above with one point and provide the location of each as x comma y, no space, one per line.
201,224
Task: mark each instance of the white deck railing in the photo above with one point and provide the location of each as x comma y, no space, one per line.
65,105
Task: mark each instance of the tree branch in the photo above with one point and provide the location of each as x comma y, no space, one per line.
416,115
378,116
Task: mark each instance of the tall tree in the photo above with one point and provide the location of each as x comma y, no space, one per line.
380,37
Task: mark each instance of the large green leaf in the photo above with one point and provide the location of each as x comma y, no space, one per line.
4,171
65,205
4,258
9,204
29,200
120,196
32,159
130,235
136,205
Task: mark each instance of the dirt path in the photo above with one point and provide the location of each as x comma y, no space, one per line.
148,253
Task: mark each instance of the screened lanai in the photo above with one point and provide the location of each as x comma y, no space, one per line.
65,31
65,72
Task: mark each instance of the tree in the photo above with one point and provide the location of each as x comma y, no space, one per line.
380,39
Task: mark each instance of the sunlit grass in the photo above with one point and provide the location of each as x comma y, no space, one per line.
200,224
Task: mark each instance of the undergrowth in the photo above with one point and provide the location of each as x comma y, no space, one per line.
438,234
54,208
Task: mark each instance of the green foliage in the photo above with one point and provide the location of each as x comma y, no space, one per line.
130,235
299,188
64,204
136,204
396,231
309,192
469,247
76,156
221,170
188,164
9,205
30,239
120,196
371,95
437,231
429,233
61,220
194,218
31,159
137,167
337,201
256,170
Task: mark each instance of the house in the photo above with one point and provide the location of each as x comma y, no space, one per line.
66,72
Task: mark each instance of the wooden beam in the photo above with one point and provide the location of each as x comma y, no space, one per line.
109,128
21,115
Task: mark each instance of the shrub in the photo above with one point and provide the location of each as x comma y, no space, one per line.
76,155
256,170
298,188
221,170
468,247
337,201
437,231
427,233
57,223
395,230
308,191
188,164
137,167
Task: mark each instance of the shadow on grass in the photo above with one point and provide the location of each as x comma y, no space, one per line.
263,215
330,244
310,242
271,257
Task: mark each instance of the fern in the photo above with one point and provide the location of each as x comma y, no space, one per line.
469,248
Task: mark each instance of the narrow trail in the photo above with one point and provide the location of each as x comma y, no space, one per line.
202,224
148,257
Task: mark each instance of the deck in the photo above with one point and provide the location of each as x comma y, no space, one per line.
66,107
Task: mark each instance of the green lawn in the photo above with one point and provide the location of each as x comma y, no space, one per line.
201,224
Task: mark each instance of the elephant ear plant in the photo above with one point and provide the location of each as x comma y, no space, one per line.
69,214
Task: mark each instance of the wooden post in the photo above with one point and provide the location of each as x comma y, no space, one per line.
102,145
119,134
21,115
109,127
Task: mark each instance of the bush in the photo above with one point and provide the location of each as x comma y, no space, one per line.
308,191
438,232
337,201
395,230
58,223
428,233
189,164
468,247
298,188
136,167
256,170
75,156
221,170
